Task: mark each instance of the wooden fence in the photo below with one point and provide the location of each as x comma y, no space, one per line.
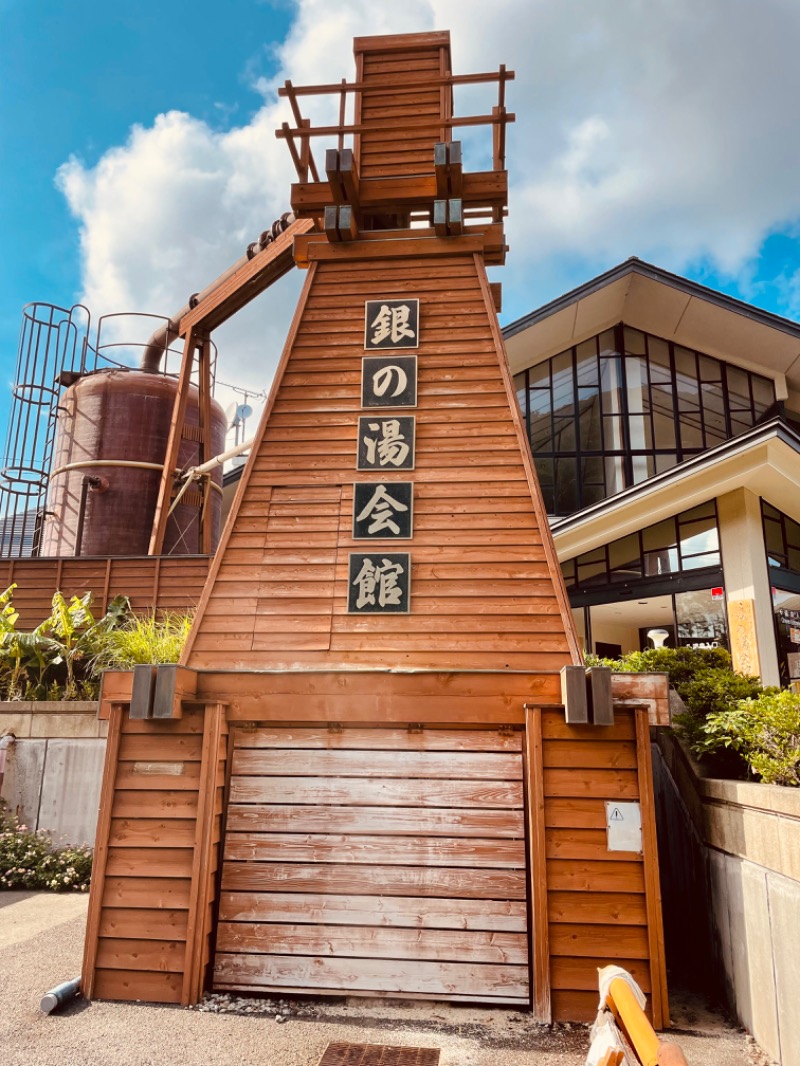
167,583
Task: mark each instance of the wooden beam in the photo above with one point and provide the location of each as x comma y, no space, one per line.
655,927
205,444
407,85
249,281
97,887
193,338
541,1004
286,133
317,250
202,864
481,189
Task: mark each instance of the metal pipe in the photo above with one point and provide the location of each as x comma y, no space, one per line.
218,460
194,473
161,339
60,995
89,481
105,462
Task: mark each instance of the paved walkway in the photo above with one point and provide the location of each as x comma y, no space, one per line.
41,941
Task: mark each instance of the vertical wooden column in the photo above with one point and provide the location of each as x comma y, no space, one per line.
537,868
173,445
97,887
208,833
655,928
205,442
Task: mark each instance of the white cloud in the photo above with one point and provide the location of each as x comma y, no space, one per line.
659,130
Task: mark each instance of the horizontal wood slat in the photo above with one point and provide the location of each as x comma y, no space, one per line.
377,791
409,765
344,941
390,880
395,911
371,739
450,980
379,850
390,822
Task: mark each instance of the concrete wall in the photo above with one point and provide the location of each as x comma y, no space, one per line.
54,768
732,884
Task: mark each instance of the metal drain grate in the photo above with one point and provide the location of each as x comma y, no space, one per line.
378,1055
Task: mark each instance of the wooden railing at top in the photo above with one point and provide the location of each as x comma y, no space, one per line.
166,583
304,159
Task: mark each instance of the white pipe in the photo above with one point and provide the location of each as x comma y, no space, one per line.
105,462
218,460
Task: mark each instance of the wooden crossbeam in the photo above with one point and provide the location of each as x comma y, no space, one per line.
407,85
486,189
248,282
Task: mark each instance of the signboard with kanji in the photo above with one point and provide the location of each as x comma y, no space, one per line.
386,443
382,510
389,381
391,324
379,583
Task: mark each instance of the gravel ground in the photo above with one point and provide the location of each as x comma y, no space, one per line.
41,941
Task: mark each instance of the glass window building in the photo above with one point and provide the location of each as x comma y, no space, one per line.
661,420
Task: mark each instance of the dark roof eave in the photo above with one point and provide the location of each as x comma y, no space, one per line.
647,270
776,427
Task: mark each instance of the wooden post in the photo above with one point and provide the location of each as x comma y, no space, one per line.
537,869
202,888
173,445
97,888
655,928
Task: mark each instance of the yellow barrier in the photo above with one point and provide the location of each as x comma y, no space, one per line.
632,1033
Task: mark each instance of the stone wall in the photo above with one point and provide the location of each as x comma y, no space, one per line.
730,858
54,767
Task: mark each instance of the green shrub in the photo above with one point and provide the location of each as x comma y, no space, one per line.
706,682
681,664
143,639
765,731
54,660
30,859
711,691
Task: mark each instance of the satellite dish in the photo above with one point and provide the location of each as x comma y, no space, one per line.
243,411
231,412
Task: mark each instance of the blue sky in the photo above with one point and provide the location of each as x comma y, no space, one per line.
137,156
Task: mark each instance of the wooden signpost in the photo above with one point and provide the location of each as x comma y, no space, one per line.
379,792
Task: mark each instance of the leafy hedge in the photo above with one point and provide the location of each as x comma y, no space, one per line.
731,723
30,859
63,657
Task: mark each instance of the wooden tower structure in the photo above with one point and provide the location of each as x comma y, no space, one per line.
361,779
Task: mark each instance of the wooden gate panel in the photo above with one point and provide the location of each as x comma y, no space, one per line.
376,861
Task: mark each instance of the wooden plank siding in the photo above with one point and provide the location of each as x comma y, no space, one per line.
484,587
383,153
149,928
168,583
385,861
602,906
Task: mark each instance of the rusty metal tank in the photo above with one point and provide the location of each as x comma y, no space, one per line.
112,427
